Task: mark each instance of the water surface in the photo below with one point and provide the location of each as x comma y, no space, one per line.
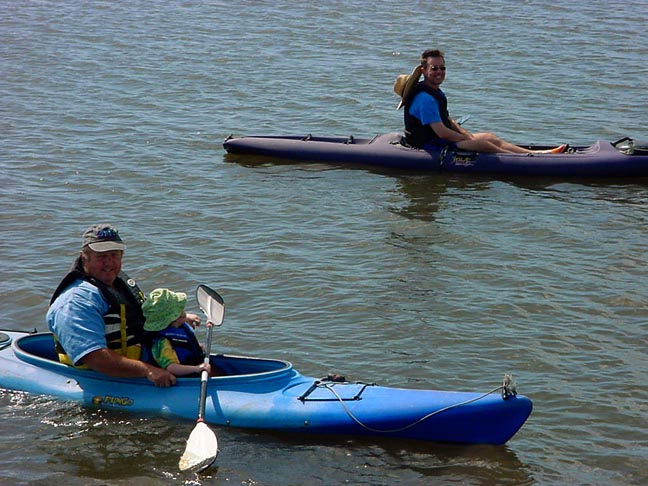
117,111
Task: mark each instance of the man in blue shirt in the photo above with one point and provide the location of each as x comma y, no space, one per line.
428,124
95,313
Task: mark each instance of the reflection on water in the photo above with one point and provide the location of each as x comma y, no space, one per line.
425,193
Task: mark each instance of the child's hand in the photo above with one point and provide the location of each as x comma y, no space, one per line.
193,320
206,367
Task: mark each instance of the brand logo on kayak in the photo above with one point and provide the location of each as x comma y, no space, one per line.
463,160
108,400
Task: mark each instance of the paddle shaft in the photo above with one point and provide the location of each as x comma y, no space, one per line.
202,445
204,376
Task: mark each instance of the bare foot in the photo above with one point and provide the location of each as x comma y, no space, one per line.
557,150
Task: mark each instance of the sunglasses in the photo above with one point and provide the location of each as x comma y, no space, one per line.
437,68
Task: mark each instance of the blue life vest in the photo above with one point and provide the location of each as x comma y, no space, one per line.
417,134
184,343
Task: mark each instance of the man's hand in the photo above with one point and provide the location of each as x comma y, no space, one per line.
160,377
108,362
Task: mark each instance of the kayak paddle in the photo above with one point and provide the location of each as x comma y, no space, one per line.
463,119
202,445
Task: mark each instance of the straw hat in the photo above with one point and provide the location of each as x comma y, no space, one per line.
405,83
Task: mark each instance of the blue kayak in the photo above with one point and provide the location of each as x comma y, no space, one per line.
623,158
270,394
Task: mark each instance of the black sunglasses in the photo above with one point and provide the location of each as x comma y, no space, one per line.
437,68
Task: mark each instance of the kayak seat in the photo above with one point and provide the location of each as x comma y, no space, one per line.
402,141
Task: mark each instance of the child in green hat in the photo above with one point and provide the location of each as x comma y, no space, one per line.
174,345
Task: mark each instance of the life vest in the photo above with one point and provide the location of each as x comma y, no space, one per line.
184,343
124,319
417,134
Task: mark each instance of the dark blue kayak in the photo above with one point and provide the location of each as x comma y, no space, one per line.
601,159
270,394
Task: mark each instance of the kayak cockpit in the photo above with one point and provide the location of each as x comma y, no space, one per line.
38,349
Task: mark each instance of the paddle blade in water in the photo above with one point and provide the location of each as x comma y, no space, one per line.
201,451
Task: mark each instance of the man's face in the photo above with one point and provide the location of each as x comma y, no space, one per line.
434,73
104,266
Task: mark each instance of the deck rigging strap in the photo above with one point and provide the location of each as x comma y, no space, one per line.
507,389
332,378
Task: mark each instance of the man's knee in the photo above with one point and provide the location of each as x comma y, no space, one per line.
489,137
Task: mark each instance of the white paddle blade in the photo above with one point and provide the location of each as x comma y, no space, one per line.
201,451
211,304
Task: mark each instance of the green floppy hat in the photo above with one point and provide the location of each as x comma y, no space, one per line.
162,308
